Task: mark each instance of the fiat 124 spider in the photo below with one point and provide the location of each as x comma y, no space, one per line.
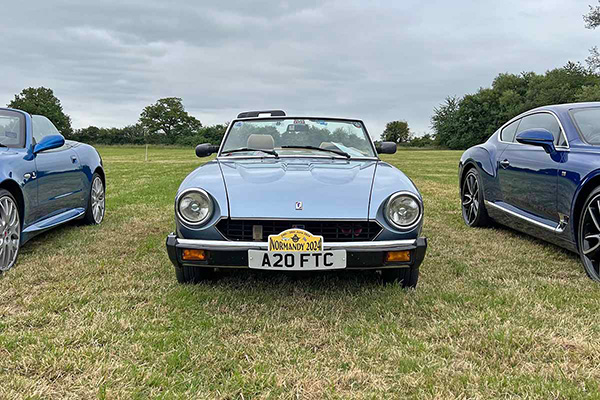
297,194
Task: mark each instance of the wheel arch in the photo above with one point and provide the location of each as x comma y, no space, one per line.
587,186
100,171
469,165
14,189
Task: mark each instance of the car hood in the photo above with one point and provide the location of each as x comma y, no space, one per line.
326,188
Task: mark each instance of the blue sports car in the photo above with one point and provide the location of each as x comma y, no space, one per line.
297,194
540,174
44,181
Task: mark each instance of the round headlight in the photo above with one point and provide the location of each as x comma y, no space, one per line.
403,210
194,206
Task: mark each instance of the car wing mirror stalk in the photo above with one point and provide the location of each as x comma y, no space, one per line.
206,149
538,137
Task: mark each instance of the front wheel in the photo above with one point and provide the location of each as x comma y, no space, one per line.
407,277
589,235
10,231
473,208
193,274
96,202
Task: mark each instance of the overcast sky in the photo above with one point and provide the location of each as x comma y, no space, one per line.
374,60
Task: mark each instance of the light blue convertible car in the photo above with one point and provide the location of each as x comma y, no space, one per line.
297,194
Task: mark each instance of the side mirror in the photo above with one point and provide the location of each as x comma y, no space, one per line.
538,137
386,147
49,142
206,149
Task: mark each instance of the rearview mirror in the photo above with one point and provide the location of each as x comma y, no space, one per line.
385,147
206,149
49,142
538,137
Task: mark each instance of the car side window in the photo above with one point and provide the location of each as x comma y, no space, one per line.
543,121
509,131
42,127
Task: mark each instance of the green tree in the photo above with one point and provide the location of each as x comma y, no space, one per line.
592,18
396,131
168,117
444,121
592,21
41,101
427,140
463,122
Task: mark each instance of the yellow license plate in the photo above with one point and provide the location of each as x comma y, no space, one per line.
297,240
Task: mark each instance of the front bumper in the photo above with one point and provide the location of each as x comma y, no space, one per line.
361,255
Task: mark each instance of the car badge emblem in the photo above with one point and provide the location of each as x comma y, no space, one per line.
298,205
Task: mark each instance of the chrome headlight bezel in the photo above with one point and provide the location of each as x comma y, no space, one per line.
393,197
209,214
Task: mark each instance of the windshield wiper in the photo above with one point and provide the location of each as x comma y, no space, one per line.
272,152
338,152
3,145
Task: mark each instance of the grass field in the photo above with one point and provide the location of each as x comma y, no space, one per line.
95,312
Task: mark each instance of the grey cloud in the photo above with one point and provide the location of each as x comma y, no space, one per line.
379,60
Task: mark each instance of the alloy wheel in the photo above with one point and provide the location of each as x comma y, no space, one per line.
98,201
10,233
590,238
470,198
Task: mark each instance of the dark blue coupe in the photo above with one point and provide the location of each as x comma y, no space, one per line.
44,181
540,173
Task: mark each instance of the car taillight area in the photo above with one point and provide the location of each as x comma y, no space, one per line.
332,231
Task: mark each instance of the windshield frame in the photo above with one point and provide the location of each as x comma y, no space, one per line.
324,156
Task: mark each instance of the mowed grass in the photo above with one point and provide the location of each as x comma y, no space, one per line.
95,312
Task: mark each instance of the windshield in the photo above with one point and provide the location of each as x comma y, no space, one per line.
588,123
291,137
12,129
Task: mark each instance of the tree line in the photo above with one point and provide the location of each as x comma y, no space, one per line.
164,122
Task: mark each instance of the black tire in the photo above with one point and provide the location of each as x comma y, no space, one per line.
92,215
407,277
472,201
11,231
588,234
193,274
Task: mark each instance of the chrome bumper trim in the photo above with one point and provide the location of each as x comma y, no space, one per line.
216,245
556,229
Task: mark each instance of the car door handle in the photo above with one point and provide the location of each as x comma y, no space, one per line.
504,164
74,159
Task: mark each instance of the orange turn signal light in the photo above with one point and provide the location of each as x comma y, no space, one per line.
193,255
397,256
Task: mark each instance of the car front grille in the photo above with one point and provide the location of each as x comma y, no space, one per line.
332,231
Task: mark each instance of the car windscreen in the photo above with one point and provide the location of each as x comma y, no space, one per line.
588,123
12,129
291,137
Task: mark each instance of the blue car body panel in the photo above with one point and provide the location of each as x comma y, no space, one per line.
267,188
538,193
326,187
53,184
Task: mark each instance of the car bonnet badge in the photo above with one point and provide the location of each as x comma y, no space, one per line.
298,205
